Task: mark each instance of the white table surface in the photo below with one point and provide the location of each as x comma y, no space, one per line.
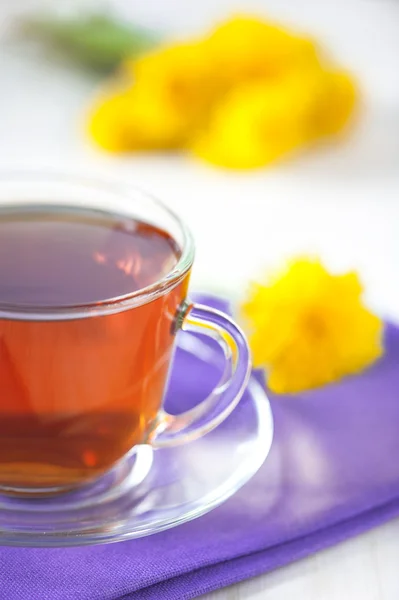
341,204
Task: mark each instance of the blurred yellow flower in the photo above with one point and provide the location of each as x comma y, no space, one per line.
334,101
169,92
255,125
136,119
245,48
308,327
107,123
183,75
241,97
260,122
183,81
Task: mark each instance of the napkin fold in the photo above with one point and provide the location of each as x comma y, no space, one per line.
332,473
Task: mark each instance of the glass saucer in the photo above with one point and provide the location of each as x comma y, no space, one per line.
152,490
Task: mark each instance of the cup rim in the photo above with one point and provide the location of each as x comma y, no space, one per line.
116,303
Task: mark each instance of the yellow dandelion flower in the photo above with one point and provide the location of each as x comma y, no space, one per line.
308,327
256,124
334,102
261,122
136,119
107,123
155,120
169,94
245,48
182,76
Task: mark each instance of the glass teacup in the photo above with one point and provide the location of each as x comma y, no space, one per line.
93,289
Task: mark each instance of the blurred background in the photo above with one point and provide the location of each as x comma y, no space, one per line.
339,201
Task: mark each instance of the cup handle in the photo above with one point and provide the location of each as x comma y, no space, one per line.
170,430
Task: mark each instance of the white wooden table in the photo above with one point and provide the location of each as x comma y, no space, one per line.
342,204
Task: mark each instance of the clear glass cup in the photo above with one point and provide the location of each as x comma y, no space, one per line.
64,348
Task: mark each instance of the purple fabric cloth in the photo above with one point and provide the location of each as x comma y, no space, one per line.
332,473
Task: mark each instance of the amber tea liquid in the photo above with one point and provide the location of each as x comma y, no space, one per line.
77,393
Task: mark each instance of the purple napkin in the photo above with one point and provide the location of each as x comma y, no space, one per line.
333,472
